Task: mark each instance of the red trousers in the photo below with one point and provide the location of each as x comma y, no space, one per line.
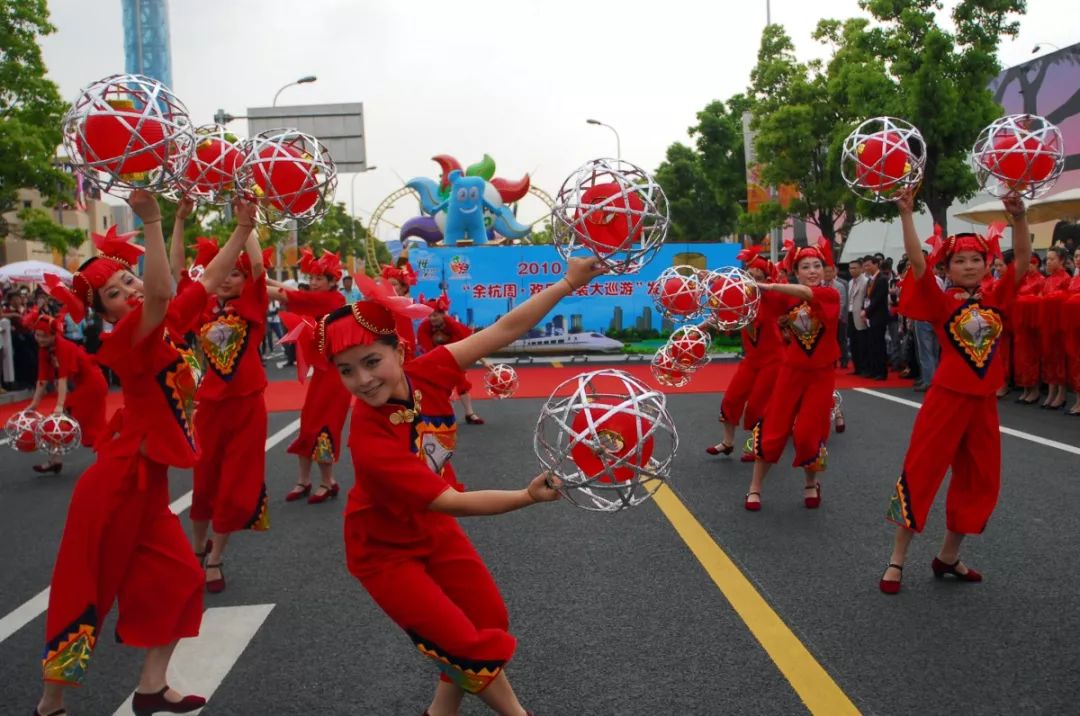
87,405
1026,356
1005,351
951,430
748,393
122,544
1052,358
445,599
326,406
230,475
800,407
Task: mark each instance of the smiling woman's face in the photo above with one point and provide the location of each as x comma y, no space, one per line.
373,373
120,292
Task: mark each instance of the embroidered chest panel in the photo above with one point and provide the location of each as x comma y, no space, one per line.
432,438
974,330
179,381
223,341
806,328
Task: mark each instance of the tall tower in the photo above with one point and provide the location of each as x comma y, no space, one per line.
146,39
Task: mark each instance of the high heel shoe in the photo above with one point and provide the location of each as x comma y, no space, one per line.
941,569
752,506
53,467
150,704
721,449
57,712
323,493
812,503
841,426
299,490
1025,401
889,586
474,419
216,586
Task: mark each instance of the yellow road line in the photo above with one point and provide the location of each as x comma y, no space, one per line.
809,679
556,364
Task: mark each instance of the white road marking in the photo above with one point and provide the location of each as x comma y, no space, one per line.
199,665
1064,447
36,605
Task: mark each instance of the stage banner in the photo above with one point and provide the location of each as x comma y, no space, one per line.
485,282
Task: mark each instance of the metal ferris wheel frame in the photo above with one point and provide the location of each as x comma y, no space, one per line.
372,262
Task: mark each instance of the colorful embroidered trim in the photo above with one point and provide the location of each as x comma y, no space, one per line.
900,505
974,331
260,521
469,675
67,656
223,342
805,327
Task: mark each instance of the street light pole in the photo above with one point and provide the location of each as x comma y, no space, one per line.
302,81
618,143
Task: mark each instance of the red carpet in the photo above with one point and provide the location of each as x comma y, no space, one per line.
534,382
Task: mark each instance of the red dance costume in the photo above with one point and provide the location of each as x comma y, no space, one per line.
429,338
1072,333
230,476
416,564
407,276
326,404
1051,327
87,387
957,425
1026,330
121,543
754,379
801,400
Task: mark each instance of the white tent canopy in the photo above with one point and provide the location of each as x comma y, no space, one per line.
31,272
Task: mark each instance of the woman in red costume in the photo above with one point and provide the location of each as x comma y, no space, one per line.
749,390
401,539
229,491
62,362
326,404
441,329
1072,335
801,403
121,543
1025,323
1052,360
401,278
957,425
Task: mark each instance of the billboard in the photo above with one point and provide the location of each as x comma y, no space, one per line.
485,282
338,126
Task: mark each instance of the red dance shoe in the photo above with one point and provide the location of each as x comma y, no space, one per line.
323,493
889,586
474,419
216,586
299,490
150,704
752,506
57,712
812,503
748,457
721,449
941,569
53,467
841,426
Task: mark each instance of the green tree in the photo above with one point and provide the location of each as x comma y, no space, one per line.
38,225
705,184
31,109
336,231
907,65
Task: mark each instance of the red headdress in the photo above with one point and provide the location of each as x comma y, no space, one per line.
752,257
404,274
382,313
329,264
793,254
441,304
115,253
206,249
988,246
37,320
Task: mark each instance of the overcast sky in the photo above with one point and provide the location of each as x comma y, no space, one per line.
515,78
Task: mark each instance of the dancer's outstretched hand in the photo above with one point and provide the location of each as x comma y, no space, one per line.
543,487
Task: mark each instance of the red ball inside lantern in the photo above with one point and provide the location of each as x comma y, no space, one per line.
607,228
26,441
679,296
727,300
57,433
1021,162
686,351
107,137
214,164
618,434
883,161
286,180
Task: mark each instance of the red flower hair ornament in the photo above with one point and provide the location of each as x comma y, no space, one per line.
404,274
115,253
752,258
989,247
794,254
329,264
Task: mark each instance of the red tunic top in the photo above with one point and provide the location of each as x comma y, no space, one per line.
67,360
761,341
452,331
313,303
968,329
402,465
158,377
1026,312
1053,294
230,337
812,326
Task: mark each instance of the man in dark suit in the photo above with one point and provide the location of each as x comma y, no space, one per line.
876,311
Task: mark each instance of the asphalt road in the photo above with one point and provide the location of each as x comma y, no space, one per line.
614,613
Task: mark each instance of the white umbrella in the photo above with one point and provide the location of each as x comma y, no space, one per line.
986,213
32,271
1059,207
